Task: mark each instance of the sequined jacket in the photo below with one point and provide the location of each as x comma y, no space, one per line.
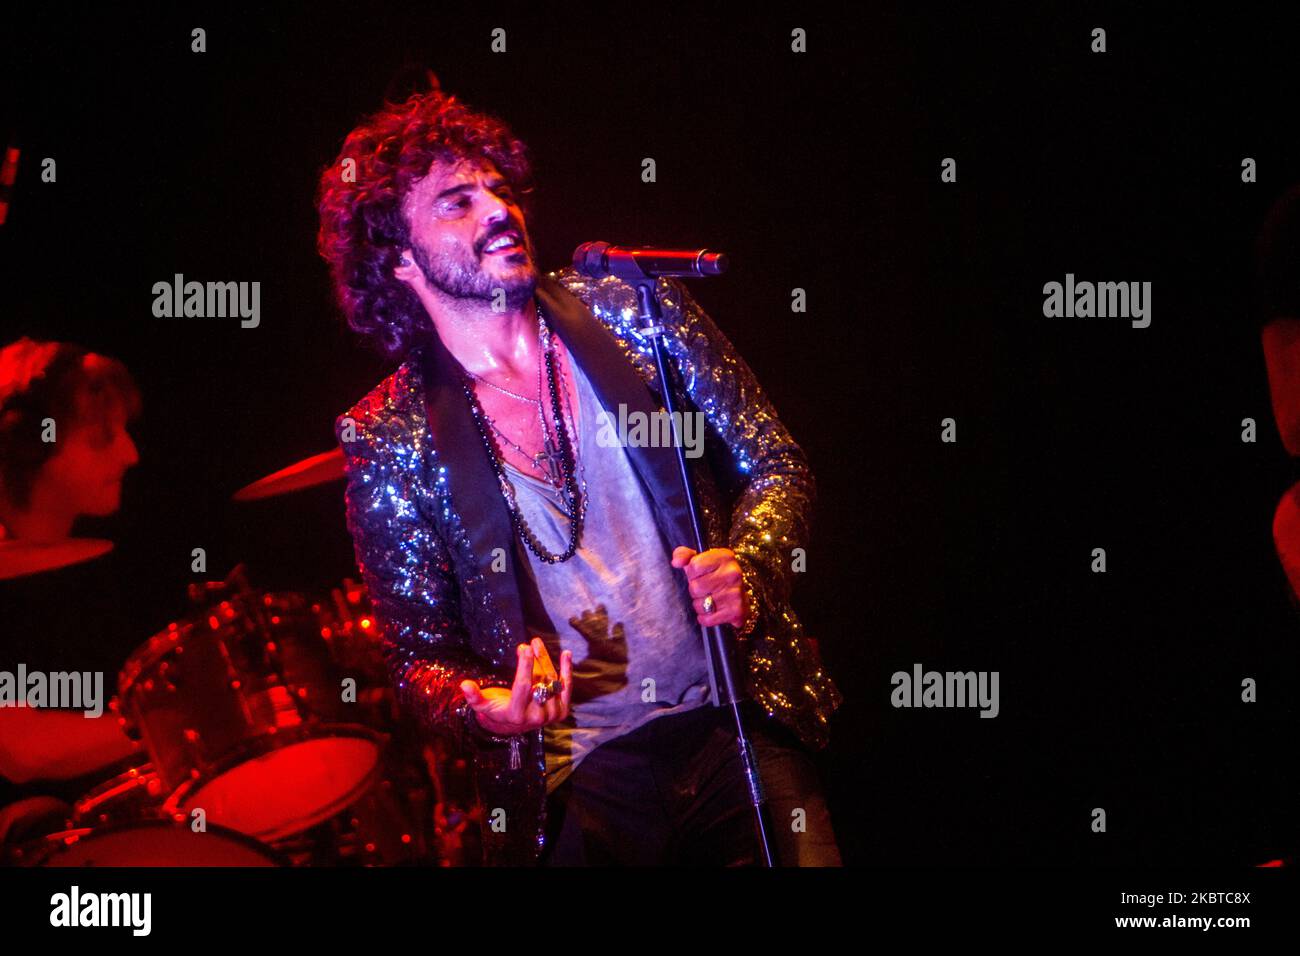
427,516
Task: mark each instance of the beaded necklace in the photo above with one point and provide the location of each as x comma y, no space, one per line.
574,498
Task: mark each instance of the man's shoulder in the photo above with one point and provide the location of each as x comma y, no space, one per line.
393,402
613,300
605,298
575,283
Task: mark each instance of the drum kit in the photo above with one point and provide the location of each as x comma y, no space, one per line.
273,739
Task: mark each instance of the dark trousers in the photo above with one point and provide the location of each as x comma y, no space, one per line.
671,793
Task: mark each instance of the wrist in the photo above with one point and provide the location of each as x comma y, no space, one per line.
476,731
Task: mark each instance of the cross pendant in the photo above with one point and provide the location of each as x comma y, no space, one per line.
551,459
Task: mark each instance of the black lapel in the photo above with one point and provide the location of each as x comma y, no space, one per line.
473,486
616,382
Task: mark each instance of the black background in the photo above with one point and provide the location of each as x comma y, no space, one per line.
818,171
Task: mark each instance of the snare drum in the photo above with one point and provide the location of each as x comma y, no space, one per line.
241,710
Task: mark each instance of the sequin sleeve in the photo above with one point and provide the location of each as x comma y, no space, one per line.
405,563
772,513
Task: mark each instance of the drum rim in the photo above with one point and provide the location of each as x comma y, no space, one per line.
252,843
252,748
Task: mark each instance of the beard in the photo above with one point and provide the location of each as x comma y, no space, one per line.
462,276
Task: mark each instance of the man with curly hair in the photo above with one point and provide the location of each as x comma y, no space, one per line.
537,599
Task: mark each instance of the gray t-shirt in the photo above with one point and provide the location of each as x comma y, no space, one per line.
620,606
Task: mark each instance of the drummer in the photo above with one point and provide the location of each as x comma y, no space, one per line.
63,603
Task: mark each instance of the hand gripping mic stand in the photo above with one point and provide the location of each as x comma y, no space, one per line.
722,681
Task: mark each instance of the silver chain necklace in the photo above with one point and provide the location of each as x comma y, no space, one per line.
548,461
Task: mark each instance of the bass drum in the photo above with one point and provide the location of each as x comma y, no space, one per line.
155,843
122,823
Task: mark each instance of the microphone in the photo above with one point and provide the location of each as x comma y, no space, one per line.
600,259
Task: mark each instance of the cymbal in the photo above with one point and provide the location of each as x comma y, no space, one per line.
19,558
316,470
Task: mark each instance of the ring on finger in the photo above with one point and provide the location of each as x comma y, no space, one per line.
544,691
708,604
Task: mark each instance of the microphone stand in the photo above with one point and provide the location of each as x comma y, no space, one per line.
722,681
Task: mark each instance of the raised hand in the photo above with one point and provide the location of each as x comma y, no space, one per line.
509,711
